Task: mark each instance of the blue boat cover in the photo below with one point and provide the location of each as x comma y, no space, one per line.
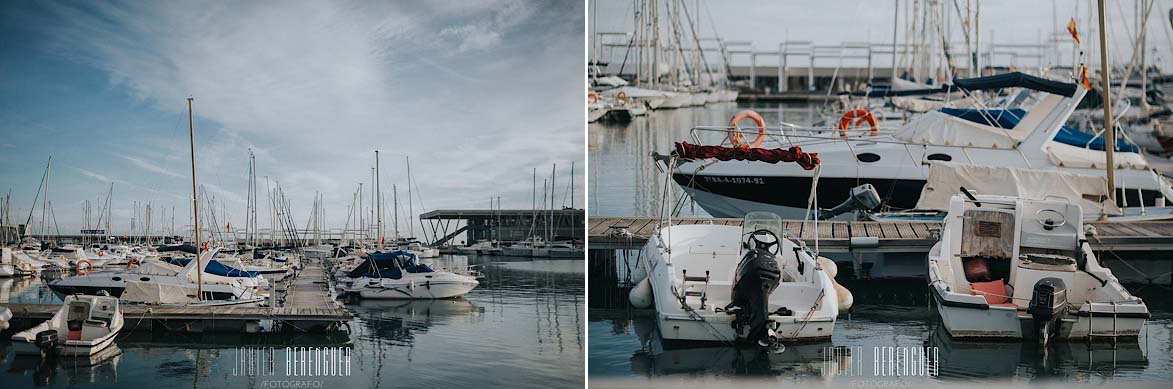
217,268
389,264
1016,79
1008,118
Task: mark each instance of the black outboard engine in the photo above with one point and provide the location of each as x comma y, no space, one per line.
757,277
1048,306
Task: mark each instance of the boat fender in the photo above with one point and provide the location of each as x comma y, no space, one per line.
846,299
735,136
641,295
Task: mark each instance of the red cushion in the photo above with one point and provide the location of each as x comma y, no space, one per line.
994,291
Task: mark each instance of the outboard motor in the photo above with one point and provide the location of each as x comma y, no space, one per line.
1048,306
757,277
863,197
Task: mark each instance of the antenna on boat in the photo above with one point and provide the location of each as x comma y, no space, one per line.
1109,129
379,200
195,203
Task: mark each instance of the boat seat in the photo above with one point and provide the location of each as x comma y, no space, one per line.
994,291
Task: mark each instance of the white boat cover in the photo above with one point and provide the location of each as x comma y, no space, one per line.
157,293
1065,155
158,268
611,81
938,128
946,179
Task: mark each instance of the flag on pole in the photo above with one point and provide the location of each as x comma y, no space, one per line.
229,227
1083,77
1073,30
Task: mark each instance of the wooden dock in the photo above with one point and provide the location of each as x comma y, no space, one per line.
304,301
619,233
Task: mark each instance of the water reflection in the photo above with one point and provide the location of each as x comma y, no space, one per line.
100,367
397,322
1078,361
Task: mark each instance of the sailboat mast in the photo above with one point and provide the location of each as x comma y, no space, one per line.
195,202
1109,129
380,199
410,206
395,199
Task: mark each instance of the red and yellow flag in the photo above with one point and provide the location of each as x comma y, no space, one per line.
1073,30
1083,77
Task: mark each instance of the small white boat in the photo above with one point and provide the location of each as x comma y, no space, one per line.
398,275
1009,267
713,282
83,326
698,99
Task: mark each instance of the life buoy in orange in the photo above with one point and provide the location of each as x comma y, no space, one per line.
86,270
854,117
133,262
735,136
101,253
622,96
592,97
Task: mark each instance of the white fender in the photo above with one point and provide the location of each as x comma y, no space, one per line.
844,295
641,295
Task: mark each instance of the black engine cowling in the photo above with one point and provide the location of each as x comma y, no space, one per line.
757,277
1048,306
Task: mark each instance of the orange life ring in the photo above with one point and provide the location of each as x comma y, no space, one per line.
622,96
735,136
88,269
133,262
592,97
101,253
854,118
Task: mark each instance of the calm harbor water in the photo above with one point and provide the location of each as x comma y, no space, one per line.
891,313
522,327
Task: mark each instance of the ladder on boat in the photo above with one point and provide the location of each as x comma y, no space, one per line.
690,286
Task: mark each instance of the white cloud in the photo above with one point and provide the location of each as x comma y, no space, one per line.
314,87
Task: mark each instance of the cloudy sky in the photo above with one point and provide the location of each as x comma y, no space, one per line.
829,22
477,93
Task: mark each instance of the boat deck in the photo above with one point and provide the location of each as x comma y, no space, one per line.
631,232
305,305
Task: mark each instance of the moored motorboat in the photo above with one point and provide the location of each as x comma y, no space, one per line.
713,282
1011,267
398,275
83,326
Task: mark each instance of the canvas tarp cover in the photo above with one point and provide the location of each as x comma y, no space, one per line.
938,128
946,179
156,293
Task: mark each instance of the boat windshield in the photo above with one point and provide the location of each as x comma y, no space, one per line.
755,221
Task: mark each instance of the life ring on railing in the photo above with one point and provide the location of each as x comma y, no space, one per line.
621,96
592,97
133,262
852,118
735,136
101,253
87,270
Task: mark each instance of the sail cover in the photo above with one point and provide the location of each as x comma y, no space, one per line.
1019,80
945,179
217,268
